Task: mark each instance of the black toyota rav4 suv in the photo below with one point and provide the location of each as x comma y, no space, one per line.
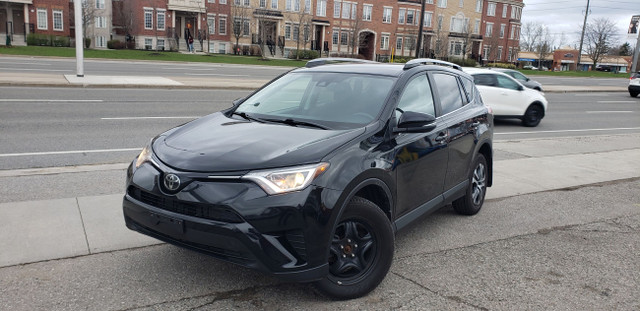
309,177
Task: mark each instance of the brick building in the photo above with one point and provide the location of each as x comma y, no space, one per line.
18,18
501,30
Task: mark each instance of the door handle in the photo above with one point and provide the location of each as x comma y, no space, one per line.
475,124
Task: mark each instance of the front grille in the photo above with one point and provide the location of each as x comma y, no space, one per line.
200,210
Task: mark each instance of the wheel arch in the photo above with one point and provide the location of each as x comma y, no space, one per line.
487,152
539,104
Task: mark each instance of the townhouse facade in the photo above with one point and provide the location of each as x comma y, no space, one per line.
367,29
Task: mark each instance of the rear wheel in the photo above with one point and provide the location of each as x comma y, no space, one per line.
471,202
532,116
361,251
633,94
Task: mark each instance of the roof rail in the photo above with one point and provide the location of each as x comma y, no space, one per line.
429,61
333,60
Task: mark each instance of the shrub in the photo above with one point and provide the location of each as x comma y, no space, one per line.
87,42
304,54
115,44
38,39
501,65
60,41
467,62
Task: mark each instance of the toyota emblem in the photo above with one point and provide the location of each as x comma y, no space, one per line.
172,182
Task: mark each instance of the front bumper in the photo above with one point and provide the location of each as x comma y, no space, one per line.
284,235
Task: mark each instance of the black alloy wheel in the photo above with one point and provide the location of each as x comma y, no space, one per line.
471,202
360,253
532,116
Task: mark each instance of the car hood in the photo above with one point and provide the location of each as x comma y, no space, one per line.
216,143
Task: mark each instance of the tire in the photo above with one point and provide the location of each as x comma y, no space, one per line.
532,116
471,202
633,94
361,251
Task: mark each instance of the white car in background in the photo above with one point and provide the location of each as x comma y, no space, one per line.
634,84
509,98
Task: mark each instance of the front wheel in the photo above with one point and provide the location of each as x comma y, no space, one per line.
633,94
361,251
532,116
471,202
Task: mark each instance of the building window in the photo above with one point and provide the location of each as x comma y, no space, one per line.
336,9
57,20
296,5
440,17
476,27
99,4
478,6
222,1
401,14
353,10
489,29
246,27
386,15
148,43
510,54
307,6
222,26
161,19
101,22
296,32
442,3
455,48
504,10
211,24
222,48
160,45
499,53
398,43
384,42
263,3
513,30
148,19
287,31
344,38
334,37
366,12
42,19
211,1
101,42
321,10
491,9
346,10
485,52
502,28
247,2
274,4
411,17
459,24
428,16
461,4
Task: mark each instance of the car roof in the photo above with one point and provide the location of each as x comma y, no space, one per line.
355,66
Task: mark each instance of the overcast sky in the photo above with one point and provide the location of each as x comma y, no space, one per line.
568,16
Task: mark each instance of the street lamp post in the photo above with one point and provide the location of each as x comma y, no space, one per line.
77,7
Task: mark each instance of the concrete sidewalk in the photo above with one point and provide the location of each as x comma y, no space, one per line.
69,227
59,80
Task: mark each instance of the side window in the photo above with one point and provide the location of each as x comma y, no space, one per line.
485,79
507,83
468,88
417,96
519,76
449,91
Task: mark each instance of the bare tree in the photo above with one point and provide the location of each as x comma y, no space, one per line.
467,39
544,46
356,26
529,36
441,38
89,13
303,20
491,45
600,36
241,11
124,18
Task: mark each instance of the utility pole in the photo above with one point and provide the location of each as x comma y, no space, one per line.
636,53
77,8
584,26
419,47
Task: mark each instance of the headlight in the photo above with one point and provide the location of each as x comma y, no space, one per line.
145,155
287,179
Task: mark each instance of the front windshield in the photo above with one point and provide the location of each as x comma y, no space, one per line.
334,100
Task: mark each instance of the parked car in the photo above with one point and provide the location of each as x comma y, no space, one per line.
634,84
529,67
526,81
309,177
508,98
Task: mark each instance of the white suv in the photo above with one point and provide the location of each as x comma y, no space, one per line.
634,84
509,98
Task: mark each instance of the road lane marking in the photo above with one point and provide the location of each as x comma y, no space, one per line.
12,63
62,170
214,74
571,131
143,118
52,100
616,102
38,69
604,111
46,153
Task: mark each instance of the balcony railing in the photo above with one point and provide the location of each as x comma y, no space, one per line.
187,5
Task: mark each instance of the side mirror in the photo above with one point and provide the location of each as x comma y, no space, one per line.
520,88
415,122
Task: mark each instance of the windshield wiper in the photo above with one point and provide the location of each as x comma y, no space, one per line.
293,122
248,117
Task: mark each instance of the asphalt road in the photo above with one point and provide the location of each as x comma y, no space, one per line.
560,250
138,68
49,127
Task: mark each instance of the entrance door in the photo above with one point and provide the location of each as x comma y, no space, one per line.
18,22
366,46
